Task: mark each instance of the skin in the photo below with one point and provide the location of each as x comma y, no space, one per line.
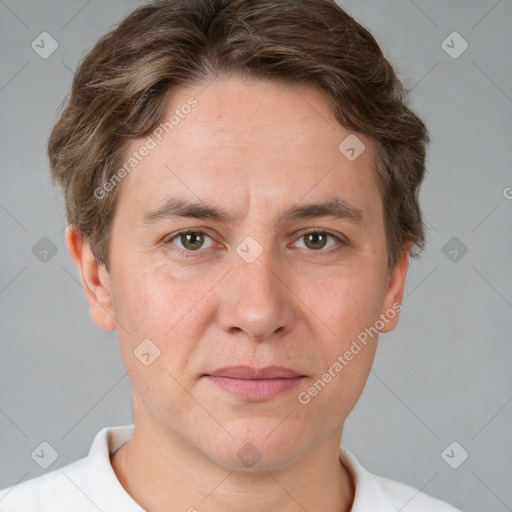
253,149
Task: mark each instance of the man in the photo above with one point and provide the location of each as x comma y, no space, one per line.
241,183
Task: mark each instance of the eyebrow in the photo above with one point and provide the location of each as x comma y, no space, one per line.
175,207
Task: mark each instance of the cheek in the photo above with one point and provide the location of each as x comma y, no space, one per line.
159,336
346,301
347,308
152,300
156,306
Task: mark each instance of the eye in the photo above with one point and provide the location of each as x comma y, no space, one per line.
317,240
190,241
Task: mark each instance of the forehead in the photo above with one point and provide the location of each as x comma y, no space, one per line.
245,141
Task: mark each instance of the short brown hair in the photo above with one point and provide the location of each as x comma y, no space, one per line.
120,90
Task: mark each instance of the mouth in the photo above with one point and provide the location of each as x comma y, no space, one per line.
255,384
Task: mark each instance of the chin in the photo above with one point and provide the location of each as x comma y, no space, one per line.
257,445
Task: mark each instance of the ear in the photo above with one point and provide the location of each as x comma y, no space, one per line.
395,290
95,280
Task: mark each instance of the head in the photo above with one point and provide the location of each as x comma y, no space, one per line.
251,125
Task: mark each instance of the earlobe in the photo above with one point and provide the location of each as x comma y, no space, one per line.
395,291
95,280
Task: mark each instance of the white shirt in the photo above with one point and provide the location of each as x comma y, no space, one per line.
91,485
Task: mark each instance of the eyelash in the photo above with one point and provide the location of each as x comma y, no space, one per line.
196,254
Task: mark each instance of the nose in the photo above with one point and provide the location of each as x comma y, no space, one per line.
256,299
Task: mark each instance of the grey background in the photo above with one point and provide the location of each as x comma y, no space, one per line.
443,375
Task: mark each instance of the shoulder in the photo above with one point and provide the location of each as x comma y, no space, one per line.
54,491
374,492
409,499
86,485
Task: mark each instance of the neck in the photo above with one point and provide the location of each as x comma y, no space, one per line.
164,473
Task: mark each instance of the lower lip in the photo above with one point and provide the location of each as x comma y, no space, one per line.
257,389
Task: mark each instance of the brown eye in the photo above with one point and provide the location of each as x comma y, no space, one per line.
320,241
316,240
192,240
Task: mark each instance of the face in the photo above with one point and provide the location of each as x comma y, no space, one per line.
251,276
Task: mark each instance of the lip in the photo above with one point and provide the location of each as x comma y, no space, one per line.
248,372
256,384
